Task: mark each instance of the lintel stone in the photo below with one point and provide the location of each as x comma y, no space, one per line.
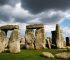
34,26
9,27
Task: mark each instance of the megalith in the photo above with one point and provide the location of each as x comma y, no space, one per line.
35,38
67,41
57,37
29,39
40,42
14,42
54,38
2,40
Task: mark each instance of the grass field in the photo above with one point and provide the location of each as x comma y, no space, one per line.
30,55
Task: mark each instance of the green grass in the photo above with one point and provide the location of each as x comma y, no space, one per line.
30,55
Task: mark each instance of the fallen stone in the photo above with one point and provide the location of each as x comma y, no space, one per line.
47,55
63,55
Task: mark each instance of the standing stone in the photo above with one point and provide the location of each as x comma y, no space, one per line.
58,40
67,41
59,37
14,43
62,40
40,41
29,39
2,40
54,37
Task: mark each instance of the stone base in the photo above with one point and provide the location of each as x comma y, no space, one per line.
2,47
14,47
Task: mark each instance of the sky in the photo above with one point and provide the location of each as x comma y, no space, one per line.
47,12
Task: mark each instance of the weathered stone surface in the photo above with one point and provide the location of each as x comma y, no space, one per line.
9,27
29,39
35,38
6,42
64,43
67,41
62,40
14,42
40,39
57,37
47,55
2,40
54,37
62,55
34,26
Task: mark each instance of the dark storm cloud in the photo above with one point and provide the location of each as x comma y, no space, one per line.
37,6
9,2
2,2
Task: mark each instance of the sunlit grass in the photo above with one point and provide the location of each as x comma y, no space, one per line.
30,55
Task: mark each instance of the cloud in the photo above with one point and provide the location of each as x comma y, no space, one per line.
50,17
9,2
49,28
18,14
7,13
66,31
2,2
37,6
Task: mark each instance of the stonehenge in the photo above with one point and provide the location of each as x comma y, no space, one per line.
37,41
34,38
13,43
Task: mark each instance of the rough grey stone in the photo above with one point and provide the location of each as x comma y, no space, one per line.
63,55
9,27
29,39
40,39
47,55
57,37
2,40
14,42
34,26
